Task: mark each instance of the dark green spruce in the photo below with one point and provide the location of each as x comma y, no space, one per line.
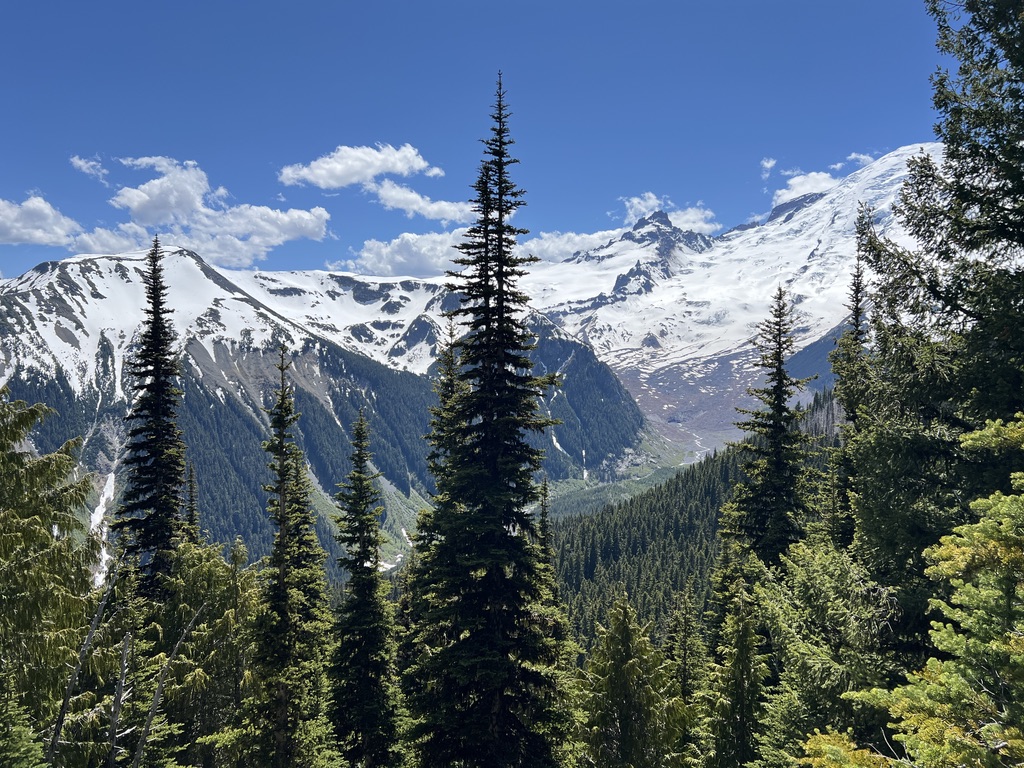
770,506
289,718
150,517
363,673
484,688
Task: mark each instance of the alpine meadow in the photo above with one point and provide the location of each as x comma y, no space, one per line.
678,500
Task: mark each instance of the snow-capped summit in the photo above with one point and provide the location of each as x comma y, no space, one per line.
674,312
671,311
658,230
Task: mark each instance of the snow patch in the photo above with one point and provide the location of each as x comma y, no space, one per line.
99,527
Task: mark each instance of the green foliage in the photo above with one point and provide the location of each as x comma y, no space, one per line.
849,364
363,675
949,324
20,747
150,514
652,545
46,557
828,624
484,687
686,648
737,679
206,683
634,716
771,504
293,634
967,707
229,473
832,750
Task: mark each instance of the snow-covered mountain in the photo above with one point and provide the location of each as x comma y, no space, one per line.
67,328
672,312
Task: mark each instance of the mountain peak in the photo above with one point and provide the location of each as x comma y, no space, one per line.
657,229
655,219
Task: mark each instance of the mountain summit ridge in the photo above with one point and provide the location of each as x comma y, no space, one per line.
672,311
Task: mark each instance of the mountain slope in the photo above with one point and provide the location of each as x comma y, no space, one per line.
673,312
67,327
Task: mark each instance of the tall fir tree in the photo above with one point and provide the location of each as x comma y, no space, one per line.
849,362
293,636
686,649
770,506
484,688
948,319
634,716
363,677
150,516
737,680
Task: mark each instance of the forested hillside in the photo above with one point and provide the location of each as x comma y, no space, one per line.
852,601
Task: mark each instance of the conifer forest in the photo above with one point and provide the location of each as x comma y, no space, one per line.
843,587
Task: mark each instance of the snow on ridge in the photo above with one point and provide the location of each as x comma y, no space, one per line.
710,302
646,300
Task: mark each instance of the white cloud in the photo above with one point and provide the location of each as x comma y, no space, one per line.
174,197
35,222
408,254
398,196
696,219
800,184
643,205
559,246
837,166
767,163
127,237
91,167
346,166
185,210
860,159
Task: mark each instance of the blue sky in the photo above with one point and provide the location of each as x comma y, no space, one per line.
308,134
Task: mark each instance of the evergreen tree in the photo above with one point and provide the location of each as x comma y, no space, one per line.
190,524
46,559
770,506
967,707
948,321
293,635
416,582
829,626
849,362
848,358
633,712
205,683
150,517
365,691
449,389
483,688
19,746
734,700
687,650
